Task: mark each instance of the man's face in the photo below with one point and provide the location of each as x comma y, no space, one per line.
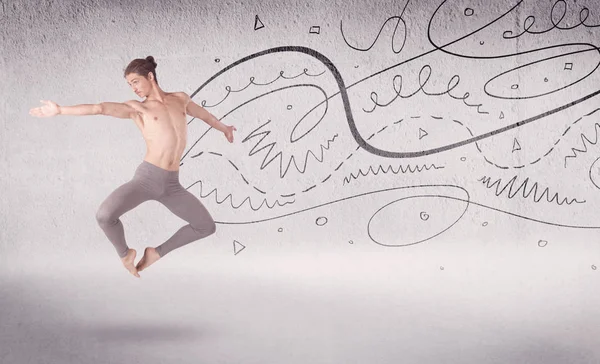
139,84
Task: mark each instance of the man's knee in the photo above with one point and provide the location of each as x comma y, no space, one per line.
104,217
205,228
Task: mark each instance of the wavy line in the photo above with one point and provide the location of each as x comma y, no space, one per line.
229,90
230,197
468,201
401,169
348,111
523,187
378,34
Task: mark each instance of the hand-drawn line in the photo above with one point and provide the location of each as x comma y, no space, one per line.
542,156
390,168
255,133
531,20
230,91
258,24
584,137
345,99
437,47
590,173
321,220
516,145
329,141
399,18
452,84
418,196
468,201
537,197
237,247
485,87
230,197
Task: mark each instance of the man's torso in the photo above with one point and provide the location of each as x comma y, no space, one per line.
164,127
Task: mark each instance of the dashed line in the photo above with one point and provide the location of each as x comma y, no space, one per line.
310,188
261,191
234,166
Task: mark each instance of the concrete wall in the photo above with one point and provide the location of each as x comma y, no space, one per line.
442,154
472,128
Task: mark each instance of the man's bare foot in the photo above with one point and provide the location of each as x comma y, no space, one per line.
150,256
128,262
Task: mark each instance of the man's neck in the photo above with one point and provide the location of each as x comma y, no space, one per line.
156,95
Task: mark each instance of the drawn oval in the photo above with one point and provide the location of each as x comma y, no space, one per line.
454,25
595,173
531,79
398,223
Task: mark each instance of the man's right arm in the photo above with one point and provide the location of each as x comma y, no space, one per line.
115,109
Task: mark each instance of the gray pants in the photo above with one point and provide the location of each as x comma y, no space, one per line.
151,182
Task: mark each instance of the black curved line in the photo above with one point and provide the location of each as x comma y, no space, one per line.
350,118
539,61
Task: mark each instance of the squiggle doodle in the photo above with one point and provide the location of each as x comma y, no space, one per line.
255,133
452,84
585,139
230,198
530,21
229,90
401,169
537,197
399,18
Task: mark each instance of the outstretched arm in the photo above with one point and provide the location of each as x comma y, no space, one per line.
115,109
201,113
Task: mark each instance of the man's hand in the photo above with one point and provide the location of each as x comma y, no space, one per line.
229,132
48,109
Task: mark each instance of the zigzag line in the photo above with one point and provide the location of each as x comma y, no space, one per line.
534,189
230,197
279,155
401,169
584,139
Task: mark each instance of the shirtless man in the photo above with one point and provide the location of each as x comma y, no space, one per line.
161,118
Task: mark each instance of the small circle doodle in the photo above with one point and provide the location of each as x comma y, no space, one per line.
217,60
515,86
321,220
485,223
469,12
280,229
542,243
289,107
463,158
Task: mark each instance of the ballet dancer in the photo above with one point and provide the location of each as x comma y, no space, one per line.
161,118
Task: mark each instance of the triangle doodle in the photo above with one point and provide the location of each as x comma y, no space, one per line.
238,247
422,133
516,145
501,115
257,23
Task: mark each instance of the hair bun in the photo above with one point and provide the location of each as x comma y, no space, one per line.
151,60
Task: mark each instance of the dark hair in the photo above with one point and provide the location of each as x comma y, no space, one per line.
142,67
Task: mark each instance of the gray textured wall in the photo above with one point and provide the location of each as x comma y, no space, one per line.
487,203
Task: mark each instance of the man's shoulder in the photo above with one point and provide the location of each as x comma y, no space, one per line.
180,94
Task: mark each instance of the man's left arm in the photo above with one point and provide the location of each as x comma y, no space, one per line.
201,113
197,111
